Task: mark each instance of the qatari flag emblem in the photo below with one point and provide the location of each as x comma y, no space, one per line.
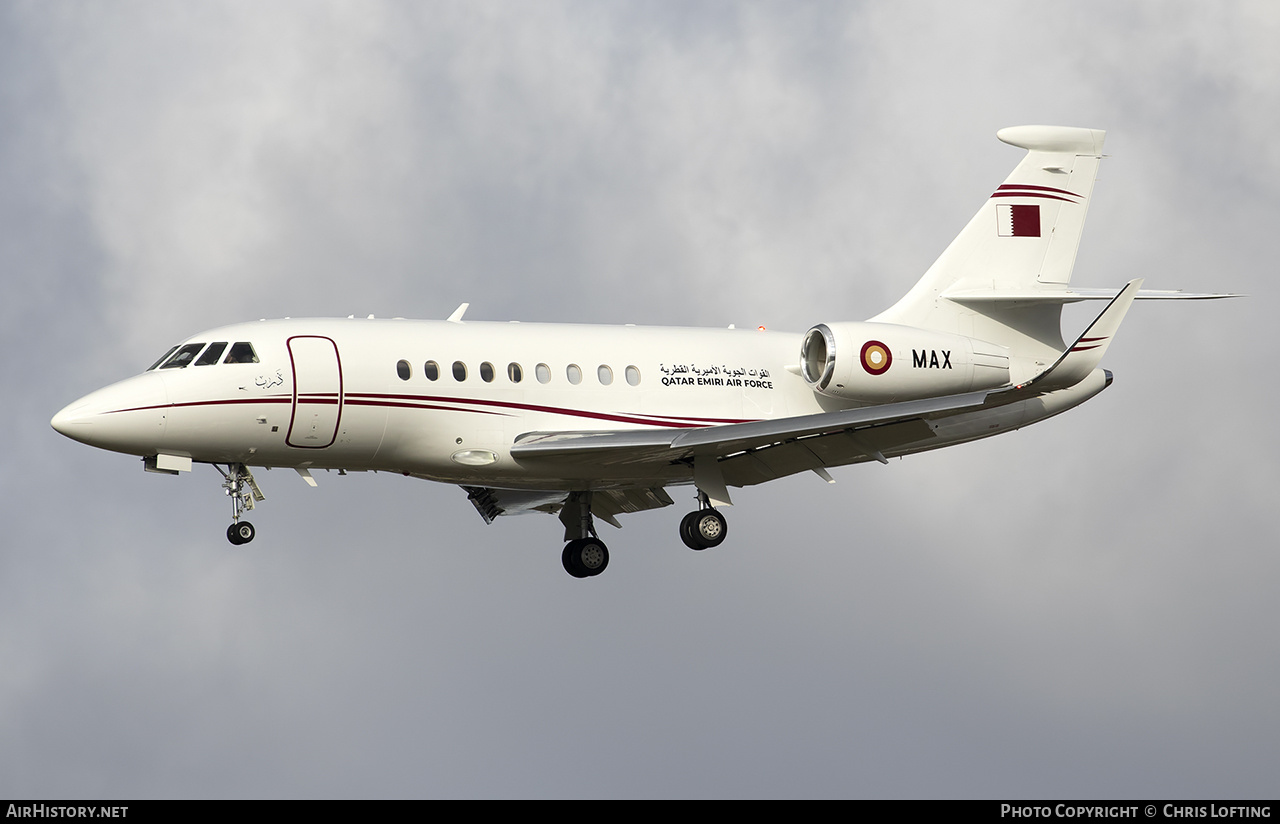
1014,220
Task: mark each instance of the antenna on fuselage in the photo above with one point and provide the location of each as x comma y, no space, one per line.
456,317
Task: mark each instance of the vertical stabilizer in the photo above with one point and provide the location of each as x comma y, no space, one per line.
1023,240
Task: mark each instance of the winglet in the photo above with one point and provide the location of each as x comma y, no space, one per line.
1082,357
456,317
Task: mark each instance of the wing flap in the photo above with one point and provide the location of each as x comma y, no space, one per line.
821,451
491,502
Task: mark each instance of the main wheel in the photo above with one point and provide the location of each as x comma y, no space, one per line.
703,529
710,528
241,532
585,557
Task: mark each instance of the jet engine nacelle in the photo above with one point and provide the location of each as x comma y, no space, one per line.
882,362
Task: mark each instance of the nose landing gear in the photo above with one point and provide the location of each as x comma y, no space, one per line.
239,485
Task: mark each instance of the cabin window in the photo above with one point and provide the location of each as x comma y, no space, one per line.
211,354
183,356
574,373
163,358
404,370
514,372
242,352
605,374
432,370
459,371
486,372
543,372
633,376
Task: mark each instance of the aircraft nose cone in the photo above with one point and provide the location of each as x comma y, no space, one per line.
124,417
75,420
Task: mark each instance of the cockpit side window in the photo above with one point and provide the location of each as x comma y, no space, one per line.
163,358
242,352
211,354
183,356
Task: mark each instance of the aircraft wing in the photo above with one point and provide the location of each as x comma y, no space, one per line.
757,451
744,454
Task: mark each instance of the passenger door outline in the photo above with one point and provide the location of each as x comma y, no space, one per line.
317,392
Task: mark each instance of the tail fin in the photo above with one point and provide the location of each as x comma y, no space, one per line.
1020,244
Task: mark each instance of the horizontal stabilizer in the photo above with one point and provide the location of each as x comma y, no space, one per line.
978,297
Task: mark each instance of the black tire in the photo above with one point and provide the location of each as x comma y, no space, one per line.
686,532
585,557
568,558
241,533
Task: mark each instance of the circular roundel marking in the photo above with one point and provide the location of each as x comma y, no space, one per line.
876,357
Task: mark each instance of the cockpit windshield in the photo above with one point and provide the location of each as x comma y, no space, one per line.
242,352
211,354
163,358
185,355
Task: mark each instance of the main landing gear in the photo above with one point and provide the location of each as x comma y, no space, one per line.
705,527
585,556
239,485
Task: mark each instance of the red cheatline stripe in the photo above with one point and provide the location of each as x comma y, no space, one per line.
434,401
704,420
376,399
402,405
227,402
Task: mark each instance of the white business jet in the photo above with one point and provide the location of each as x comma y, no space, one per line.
591,422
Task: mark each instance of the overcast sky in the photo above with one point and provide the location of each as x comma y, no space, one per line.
1084,608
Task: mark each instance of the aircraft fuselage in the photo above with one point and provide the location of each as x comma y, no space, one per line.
354,393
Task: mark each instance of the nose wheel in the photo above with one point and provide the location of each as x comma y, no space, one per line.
242,489
241,532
